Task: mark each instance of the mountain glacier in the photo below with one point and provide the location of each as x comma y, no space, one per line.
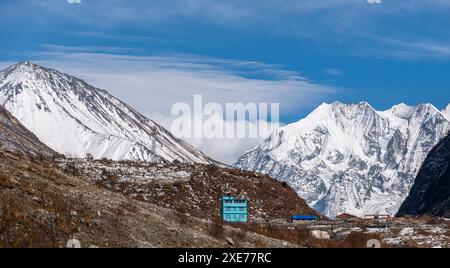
74,118
349,157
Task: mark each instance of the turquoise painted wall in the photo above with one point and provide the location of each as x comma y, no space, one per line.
234,210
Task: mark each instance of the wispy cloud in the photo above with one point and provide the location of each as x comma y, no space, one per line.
152,84
407,49
226,12
341,22
334,72
179,77
89,49
423,48
127,38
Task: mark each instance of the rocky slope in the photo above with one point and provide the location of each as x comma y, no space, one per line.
16,138
74,118
196,189
430,194
350,157
43,206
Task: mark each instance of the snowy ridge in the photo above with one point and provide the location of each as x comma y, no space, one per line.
15,137
74,118
446,112
351,158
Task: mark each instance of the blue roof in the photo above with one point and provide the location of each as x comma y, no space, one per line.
304,217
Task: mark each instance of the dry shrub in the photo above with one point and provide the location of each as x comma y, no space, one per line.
447,233
60,208
183,219
18,230
212,170
71,168
410,244
302,235
395,231
105,160
428,219
217,229
259,244
358,240
422,231
6,181
239,235
50,173
23,224
182,216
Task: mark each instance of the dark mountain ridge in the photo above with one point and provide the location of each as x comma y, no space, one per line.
430,194
15,137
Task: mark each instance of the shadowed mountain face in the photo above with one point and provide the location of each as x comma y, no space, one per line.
430,194
16,138
75,118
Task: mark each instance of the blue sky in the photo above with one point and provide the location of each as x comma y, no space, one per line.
298,53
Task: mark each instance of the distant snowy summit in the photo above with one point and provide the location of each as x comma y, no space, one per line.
74,118
351,158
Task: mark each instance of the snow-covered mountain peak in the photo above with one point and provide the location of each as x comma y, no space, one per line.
75,118
350,157
402,110
405,115
336,111
363,105
351,111
26,64
31,76
427,108
24,71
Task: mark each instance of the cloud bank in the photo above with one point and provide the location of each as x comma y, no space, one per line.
153,84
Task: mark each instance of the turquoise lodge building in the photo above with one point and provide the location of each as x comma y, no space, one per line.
234,210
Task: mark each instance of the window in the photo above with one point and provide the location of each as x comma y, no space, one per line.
241,209
228,217
227,209
241,216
